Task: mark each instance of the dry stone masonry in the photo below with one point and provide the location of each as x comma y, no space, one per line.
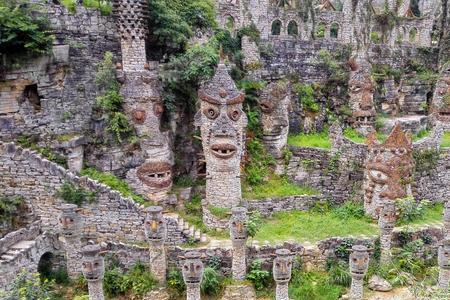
359,264
93,268
156,233
239,236
282,271
386,222
444,264
192,274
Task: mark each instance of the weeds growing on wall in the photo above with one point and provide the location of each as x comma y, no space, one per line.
71,194
9,208
260,278
104,6
31,142
306,97
425,160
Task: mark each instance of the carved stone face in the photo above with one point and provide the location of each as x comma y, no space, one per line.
359,261
93,265
282,266
361,89
155,225
70,221
389,169
222,122
441,98
238,229
274,104
388,216
444,255
192,268
155,174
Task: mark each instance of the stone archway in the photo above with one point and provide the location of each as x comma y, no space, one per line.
52,265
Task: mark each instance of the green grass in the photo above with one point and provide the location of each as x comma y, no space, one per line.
115,183
276,187
314,140
313,285
432,214
445,141
354,136
312,226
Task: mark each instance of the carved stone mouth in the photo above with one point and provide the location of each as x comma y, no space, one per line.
193,280
224,151
157,175
91,277
283,279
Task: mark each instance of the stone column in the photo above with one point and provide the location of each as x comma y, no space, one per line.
282,270
93,267
156,233
71,225
447,220
386,222
359,263
444,264
192,274
75,153
239,236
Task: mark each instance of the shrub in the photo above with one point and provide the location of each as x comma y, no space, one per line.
259,277
175,282
339,273
425,160
342,251
410,210
9,208
258,167
71,194
138,279
210,283
349,210
306,97
29,286
254,223
313,285
113,282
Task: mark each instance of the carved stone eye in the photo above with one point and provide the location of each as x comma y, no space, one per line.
96,264
234,114
211,113
186,268
71,220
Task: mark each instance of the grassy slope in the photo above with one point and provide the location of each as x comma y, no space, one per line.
314,140
276,187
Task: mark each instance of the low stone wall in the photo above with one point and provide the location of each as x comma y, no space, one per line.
19,235
269,206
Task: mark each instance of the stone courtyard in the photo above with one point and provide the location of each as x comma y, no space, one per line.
224,149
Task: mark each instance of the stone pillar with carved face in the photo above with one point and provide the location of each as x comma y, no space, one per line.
71,226
282,271
156,233
386,222
239,236
93,268
360,89
222,123
444,264
447,220
274,103
440,104
359,264
389,170
192,274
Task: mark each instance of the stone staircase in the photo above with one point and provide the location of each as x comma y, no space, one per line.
188,230
16,250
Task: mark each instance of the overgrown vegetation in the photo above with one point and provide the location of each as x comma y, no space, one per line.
23,32
114,183
445,141
306,98
313,285
425,160
276,186
9,209
260,278
109,101
336,71
71,194
258,164
314,140
29,286
31,142
104,6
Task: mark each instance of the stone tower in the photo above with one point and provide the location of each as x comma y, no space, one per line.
93,268
222,123
389,170
156,233
71,226
359,264
143,105
282,271
192,274
239,236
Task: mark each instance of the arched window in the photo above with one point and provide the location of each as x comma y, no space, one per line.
229,23
292,28
413,35
276,27
320,31
334,30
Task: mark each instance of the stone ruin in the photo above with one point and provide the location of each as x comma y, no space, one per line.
389,170
222,124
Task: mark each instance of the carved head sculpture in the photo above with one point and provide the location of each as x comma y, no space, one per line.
282,266
444,254
387,217
131,18
274,103
389,169
222,121
70,221
155,224
441,98
157,175
359,261
238,229
361,89
93,265
192,268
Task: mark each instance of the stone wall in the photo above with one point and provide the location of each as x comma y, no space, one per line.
55,94
269,206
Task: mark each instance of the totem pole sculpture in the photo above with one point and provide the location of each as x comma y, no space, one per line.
447,220
93,268
361,88
143,105
274,103
389,170
222,123
156,232
239,236
282,271
359,264
192,275
444,264
71,225
386,222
